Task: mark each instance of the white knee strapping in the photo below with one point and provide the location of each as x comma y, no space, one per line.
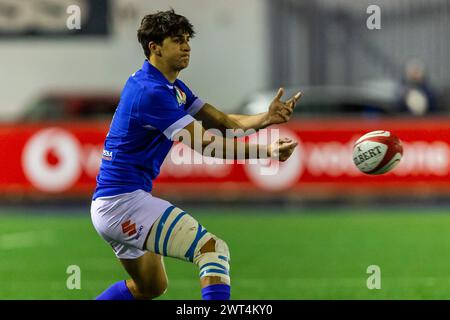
215,263
176,234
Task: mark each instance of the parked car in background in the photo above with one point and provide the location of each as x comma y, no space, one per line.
79,106
372,99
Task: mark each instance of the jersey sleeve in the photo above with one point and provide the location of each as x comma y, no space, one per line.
158,109
193,103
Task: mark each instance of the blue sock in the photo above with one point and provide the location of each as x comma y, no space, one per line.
216,292
118,291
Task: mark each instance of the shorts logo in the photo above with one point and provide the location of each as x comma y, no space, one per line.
129,228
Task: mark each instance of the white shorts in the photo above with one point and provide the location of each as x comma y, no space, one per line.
125,220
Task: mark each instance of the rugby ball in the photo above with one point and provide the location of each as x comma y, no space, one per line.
377,152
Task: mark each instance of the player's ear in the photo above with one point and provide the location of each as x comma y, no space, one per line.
154,48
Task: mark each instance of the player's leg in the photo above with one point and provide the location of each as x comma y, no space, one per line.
213,287
148,277
123,221
180,236
177,234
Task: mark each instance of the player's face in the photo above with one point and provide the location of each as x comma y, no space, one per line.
176,51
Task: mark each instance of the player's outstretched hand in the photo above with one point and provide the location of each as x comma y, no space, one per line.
281,111
282,149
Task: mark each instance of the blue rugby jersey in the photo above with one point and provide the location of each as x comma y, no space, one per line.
151,110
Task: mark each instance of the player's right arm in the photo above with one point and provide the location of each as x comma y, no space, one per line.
158,110
279,112
196,137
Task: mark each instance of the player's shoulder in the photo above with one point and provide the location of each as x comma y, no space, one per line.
155,90
154,94
148,86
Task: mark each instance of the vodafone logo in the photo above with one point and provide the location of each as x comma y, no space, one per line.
274,175
424,158
50,160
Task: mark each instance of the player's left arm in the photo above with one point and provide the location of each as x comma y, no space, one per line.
279,112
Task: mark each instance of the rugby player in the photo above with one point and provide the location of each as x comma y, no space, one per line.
154,109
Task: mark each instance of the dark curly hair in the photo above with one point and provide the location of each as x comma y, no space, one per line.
158,26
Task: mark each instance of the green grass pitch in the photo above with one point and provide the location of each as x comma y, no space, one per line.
274,255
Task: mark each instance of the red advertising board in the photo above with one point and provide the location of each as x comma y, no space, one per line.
54,160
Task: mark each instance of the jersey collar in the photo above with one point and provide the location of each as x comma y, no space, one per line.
150,69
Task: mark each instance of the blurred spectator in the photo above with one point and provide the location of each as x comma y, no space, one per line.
416,96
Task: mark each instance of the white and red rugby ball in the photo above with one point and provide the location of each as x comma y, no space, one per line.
377,152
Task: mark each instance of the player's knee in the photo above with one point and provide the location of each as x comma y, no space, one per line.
215,245
213,259
209,246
